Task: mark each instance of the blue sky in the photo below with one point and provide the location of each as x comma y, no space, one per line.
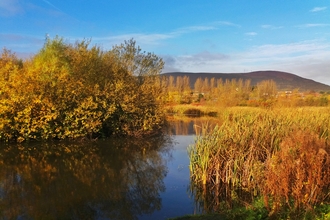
191,35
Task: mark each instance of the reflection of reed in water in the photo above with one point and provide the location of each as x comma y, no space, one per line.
190,126
182,127
218,197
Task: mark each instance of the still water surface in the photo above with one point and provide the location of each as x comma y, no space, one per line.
176,199
104,179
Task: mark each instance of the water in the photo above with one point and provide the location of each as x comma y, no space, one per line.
176,199
104,179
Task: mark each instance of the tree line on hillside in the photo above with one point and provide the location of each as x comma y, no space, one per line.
78,90
237,93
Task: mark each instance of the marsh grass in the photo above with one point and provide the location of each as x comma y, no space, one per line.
281,155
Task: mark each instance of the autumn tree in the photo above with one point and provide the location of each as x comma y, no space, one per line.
187,95
206,85
9,67
78,90
198,85
266,89
171,83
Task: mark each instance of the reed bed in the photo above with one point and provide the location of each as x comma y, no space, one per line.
281,155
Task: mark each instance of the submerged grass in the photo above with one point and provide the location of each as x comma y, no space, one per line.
281,155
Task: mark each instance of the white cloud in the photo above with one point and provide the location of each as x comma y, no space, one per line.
271,50
193,29
170,64
212,26
309,59
313,65
150,39
251,33
141,39
226,23
204,57
16,40
313,25
317,9
272,27
145,40
10,7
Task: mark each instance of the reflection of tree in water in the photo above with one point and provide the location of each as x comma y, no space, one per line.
191,126
104,179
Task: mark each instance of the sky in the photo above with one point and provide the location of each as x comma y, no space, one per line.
220,36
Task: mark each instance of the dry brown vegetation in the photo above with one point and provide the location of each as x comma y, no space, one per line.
297,174
281,155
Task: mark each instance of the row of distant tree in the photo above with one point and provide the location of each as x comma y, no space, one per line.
238,93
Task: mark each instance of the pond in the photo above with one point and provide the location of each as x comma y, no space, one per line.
103,179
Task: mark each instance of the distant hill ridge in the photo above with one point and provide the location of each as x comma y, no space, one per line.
284,80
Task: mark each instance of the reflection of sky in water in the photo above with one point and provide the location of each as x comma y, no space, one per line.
176,200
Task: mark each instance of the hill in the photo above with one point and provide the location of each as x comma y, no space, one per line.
284,80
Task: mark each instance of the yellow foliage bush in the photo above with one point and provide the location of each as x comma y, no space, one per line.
78,90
